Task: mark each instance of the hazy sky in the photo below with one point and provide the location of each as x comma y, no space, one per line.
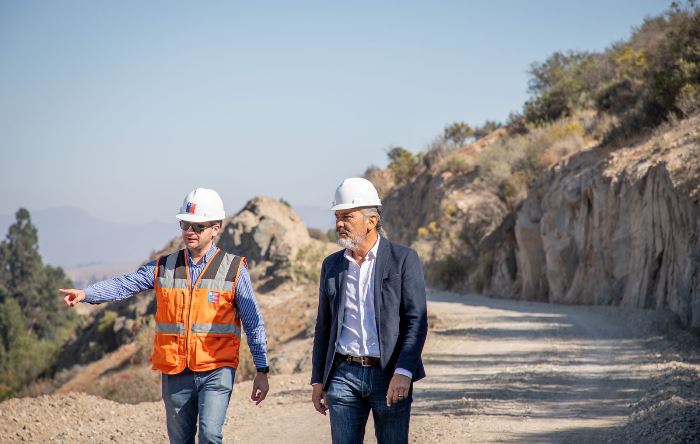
120,108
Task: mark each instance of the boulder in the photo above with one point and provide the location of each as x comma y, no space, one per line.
270,235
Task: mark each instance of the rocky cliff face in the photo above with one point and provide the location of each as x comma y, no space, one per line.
445,211
605,226
618,228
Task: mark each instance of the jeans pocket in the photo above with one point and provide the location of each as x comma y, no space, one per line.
219,379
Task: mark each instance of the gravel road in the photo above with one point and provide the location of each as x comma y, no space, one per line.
498,371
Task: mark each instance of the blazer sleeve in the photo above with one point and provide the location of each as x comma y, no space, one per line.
321,332
413,313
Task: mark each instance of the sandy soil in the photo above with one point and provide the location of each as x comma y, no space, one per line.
498,371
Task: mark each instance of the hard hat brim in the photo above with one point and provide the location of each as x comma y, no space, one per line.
349,206
196,218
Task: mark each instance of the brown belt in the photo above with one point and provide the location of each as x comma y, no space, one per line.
365,361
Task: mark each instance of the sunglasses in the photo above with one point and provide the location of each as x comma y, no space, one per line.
197,228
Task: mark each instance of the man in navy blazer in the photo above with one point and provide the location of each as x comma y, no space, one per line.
371,324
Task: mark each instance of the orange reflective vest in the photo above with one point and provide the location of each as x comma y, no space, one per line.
196,325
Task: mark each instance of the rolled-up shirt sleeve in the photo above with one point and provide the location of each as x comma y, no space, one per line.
251,318
121,287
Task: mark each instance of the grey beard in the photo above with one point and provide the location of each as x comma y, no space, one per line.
351,243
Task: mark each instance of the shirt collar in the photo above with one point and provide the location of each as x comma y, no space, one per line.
208,255
371,254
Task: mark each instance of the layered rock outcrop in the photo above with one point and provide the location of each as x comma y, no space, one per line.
608,225
620,228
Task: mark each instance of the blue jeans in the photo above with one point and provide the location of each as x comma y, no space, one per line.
353,391
189,394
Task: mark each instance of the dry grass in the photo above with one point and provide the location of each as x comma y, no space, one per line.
455,164
138,383
529,154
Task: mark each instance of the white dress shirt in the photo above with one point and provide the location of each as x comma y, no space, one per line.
358,336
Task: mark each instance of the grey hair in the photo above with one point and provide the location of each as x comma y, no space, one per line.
374,211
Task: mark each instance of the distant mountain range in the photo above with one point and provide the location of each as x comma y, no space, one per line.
70,237
73,239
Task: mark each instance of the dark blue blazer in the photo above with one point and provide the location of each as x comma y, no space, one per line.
399,306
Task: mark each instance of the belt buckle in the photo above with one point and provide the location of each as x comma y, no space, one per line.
363,361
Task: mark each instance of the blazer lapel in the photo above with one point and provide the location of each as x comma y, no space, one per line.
382,255
340,296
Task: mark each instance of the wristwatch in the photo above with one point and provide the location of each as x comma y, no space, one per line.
263,369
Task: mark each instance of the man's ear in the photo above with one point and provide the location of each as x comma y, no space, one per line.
372,221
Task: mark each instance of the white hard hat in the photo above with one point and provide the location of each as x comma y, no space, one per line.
355,192
202,205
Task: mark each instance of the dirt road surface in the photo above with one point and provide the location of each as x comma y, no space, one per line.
498,371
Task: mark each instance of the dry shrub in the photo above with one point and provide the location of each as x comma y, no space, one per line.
600,126
513,189
449,211
307,265
133,385
529,154
450,271
144,340
562,148
455,164
36,388
317,234
688,99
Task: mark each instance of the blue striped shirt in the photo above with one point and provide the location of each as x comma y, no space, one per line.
123,287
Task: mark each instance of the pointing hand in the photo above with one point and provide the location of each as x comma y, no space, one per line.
72,296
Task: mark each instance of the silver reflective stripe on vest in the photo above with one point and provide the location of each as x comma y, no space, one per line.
220,329
167,279
214,285
219,281
173,329
173,283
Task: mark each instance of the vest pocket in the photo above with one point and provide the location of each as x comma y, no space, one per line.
165,350
214,349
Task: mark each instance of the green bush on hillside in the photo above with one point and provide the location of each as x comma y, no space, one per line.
307,264
403,164
33,321
488,127
560,85
457,133
644,80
